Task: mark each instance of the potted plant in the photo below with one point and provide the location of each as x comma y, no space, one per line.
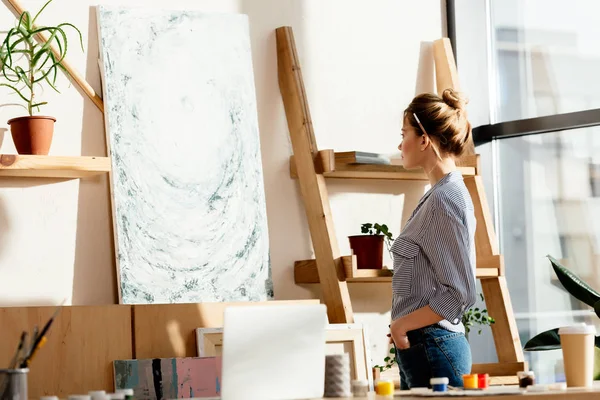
471,318
550,340
368,247
26,66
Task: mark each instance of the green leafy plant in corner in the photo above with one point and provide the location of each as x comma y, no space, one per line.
27,64
550,340
473,317
379,229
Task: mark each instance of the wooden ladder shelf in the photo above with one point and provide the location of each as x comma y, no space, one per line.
333,271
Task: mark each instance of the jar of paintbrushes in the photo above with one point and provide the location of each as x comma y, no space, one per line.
13,384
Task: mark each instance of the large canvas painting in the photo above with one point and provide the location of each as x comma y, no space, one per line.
169,378
187,183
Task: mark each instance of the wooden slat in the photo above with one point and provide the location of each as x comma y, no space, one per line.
361,157
446,75
375,171
169,330
312,185
82,344
486,244
52,166
73,74
470,160
305,272
499,369
291,85
506,334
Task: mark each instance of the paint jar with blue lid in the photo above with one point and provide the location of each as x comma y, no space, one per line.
439,384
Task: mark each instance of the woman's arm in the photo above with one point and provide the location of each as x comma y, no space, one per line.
446,245
420,318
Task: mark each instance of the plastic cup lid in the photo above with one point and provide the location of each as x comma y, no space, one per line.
439,381
577,329
97,393
126,392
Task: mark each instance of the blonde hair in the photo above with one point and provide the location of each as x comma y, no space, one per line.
443,119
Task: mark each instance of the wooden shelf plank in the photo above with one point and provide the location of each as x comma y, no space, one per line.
346,168
52,166
305,271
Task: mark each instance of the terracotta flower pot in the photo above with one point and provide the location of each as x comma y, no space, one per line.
368,250
32,134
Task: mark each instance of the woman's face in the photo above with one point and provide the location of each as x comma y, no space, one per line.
412,156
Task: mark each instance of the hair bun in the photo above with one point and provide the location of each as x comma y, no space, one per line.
454,99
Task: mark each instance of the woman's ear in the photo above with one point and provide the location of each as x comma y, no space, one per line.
425,141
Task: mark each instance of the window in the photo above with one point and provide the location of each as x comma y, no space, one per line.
549,205
530,71
546,57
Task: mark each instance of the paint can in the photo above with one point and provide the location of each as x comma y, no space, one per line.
13,384
470,381
439,384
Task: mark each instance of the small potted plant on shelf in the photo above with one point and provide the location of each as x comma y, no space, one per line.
28,65
368,247
576,287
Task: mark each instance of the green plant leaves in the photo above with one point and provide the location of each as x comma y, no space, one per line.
37,62
549,340
574,285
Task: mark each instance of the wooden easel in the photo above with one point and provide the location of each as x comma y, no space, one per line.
312,167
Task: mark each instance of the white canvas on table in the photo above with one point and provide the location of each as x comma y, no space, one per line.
187,184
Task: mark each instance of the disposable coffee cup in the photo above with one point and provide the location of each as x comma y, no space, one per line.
577,342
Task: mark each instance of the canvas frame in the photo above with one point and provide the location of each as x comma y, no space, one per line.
210,340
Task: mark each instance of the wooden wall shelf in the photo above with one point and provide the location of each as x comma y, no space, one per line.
305,271
30,166
346,165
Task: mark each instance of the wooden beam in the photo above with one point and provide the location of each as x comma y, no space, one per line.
471,160
312,185
499,369
305,271
324,161
371,171
52,166
73,74
506,334
291,85
446,75
486,244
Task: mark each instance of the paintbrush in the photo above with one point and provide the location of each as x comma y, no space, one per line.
15,359
13,363
40,340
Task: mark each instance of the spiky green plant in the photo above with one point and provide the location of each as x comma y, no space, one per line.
550,340
27,64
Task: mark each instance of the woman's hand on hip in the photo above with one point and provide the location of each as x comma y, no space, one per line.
398,335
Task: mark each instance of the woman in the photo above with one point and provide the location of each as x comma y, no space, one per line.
434,256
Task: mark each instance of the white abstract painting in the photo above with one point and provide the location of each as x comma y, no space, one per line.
187,182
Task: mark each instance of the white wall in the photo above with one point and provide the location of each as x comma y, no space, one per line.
359,60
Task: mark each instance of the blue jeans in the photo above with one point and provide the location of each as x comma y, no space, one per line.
434,352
